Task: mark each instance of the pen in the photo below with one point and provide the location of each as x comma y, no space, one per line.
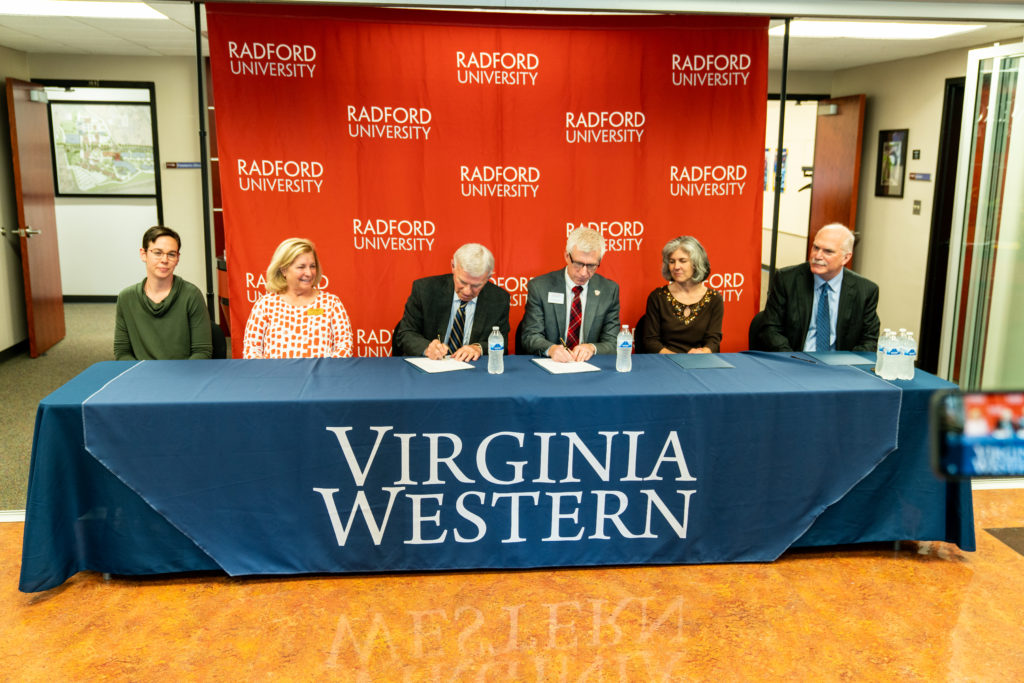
806,360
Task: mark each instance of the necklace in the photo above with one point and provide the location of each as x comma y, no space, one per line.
687,312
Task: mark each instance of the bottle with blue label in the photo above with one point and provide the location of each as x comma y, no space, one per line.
495,352
893,356
624,350
909,356
883,346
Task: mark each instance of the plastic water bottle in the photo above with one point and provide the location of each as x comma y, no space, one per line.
495,352
624,350
893,354
909,356
883,345
898,369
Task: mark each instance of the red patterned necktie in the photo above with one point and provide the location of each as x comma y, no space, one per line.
572,338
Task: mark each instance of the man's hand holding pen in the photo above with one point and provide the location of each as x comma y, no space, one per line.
561,354
436,350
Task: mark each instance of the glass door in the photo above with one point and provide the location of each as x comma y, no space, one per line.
983,324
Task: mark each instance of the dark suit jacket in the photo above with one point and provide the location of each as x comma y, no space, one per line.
430,305
544,322
788,311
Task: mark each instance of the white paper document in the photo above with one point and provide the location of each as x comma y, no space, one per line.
556,368
444,365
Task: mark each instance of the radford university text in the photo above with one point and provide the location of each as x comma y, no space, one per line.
450,491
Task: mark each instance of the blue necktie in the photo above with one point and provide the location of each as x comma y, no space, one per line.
822,324
455,338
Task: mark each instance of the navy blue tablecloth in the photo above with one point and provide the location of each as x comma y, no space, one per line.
336,465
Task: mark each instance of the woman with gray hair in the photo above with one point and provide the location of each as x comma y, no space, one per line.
684,316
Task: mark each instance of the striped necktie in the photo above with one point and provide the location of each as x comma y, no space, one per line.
455,338
822,322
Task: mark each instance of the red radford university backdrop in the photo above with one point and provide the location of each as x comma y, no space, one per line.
390,137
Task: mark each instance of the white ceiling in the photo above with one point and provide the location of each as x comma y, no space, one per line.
176,37
127,37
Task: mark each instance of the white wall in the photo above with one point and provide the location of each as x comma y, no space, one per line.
99,250
85,226
794,204
801,82
893,245
13,328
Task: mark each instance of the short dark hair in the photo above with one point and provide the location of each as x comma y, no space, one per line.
156,232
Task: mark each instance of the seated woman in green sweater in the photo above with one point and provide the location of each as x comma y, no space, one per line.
163,317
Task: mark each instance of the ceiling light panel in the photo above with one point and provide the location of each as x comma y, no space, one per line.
78,8
871,30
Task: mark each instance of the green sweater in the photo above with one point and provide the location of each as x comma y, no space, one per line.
177,327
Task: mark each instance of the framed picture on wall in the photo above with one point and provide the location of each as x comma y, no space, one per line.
891,170
103,149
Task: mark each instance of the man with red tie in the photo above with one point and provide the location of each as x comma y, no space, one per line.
573,313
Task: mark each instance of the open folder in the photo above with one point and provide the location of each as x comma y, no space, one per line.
699,361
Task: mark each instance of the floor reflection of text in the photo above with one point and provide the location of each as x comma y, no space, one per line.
539,641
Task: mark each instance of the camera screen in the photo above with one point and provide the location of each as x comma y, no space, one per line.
981,434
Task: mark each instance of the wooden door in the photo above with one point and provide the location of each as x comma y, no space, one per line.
37,221
837,149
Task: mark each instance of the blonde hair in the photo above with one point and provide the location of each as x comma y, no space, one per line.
285,254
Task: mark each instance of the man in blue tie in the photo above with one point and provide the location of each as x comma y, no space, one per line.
821,305
452,314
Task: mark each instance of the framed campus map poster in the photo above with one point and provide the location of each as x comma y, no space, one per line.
103,148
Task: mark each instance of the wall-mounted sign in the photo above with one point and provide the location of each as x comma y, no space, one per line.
182,164
920,176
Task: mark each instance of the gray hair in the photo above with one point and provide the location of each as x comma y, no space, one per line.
848,238
587,240
476,259
693,249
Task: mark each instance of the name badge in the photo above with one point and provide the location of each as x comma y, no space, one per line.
314,311
556,297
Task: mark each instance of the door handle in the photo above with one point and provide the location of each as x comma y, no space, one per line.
26,232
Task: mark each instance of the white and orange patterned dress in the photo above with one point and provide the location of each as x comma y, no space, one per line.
276,329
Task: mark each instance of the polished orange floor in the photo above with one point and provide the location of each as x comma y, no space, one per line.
925,612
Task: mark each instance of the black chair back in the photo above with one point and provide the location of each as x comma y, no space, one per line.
754,342
638,334
220,344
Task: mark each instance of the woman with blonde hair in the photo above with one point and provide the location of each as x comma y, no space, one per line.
295,319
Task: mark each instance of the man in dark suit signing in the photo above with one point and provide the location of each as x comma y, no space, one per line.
573,313
820,305
453,314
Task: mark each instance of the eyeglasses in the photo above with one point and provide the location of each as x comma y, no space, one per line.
159,254
592,267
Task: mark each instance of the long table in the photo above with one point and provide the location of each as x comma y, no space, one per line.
353,465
